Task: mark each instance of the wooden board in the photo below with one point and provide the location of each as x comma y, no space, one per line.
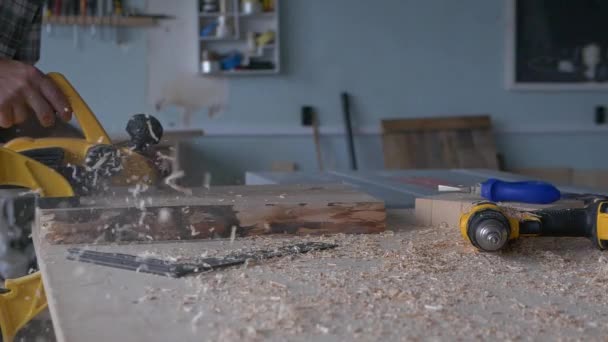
215,213
594,178
446,209
434,124
97,303
407,284
557,175
439,143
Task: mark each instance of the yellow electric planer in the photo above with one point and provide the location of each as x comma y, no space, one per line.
69,168
84,160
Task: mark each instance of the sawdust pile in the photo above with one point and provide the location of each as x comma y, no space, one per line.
411,283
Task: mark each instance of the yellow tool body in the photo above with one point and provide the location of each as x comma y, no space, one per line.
21,171
489,227
136,168
23,298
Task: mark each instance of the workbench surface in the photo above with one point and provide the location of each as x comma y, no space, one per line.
407,283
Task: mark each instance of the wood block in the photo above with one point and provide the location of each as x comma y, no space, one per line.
437,123
446,209
446,213
554,175
396,153
448,141
284,166
439,143
251,210
591,178
423,213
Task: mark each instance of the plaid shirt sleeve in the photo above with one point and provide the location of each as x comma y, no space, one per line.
20,26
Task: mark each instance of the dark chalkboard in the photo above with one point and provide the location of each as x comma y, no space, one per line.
561,41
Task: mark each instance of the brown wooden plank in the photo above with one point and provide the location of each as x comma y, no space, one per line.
558,175
133,21
483,140
597,179
417,149
448,140
397,152
428,149
251,210
445,142
437,123
470,158
446,209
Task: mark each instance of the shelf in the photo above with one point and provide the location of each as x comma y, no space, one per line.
242,15
219,39
215,15
130,21
242,25
242,72
258,15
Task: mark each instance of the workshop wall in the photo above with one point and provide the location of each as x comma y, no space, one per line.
396,58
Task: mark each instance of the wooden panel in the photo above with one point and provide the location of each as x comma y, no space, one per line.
555,175
446,209
592,178
432,145
483,140
397,152
251,210
439,143
449,141
133,21
284,166
437,123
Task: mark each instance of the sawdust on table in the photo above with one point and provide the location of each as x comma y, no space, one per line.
407,284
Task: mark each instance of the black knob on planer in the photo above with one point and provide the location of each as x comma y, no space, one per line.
144,130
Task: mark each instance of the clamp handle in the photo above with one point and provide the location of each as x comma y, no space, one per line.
536,192
91,127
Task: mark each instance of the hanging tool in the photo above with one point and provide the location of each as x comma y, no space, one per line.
489,227
349,130
495,190
180,269
310,118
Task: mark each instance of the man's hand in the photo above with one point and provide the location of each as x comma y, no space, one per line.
24,91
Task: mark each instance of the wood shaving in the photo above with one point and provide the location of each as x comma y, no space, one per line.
410,283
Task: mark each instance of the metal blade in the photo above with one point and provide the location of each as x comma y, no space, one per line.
449,188
177,269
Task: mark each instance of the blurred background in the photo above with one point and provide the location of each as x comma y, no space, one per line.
272,85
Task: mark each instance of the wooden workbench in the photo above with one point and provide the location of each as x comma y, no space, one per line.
407,283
